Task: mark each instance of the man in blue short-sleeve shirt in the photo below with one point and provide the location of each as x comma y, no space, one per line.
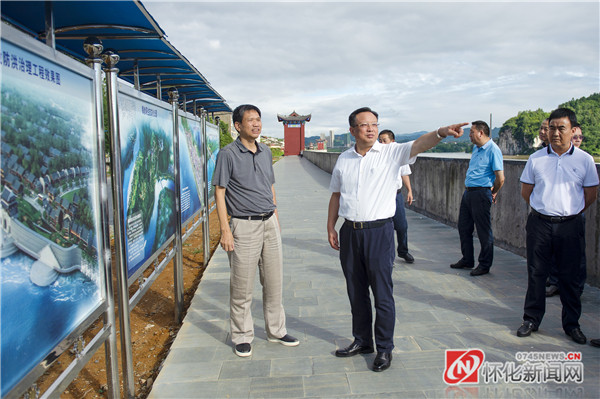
485,177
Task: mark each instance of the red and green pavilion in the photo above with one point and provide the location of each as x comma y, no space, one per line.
293,132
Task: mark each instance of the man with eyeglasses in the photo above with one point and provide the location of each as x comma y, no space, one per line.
577,137
485,177
558,183
363,186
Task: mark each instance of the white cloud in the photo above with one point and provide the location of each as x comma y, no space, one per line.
420,65
214,44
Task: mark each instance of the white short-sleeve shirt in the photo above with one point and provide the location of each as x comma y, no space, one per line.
368,185
404,171
559,180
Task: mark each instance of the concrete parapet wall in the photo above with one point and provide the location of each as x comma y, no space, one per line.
324,160
438,185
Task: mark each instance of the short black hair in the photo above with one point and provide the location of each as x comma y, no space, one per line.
240,110
352,117
564,113
481,126
389,133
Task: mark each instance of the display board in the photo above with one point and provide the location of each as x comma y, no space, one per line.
50,282
212,144
191,169
146,134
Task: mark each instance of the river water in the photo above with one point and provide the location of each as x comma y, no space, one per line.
33,320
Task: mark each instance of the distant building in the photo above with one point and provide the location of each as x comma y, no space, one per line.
9,202
293,132
322,145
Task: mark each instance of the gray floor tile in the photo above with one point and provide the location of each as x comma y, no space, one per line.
438,308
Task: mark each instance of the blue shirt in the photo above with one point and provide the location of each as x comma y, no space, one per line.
484,162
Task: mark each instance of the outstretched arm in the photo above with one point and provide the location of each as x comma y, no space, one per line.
430,140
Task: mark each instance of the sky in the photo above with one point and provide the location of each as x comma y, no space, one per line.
419,65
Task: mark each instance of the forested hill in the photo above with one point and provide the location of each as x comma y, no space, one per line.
523,128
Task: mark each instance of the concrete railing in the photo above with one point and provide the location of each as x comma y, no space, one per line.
438,185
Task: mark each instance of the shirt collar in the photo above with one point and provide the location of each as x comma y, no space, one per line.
376,147
486,145
243,148
551,151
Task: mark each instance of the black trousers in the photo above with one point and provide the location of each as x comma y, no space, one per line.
367,258
553,279
401,225
561,244
474,211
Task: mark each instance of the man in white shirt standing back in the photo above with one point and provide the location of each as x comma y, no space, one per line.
400,225
363,186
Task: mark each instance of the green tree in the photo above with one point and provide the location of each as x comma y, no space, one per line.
224,136
587,110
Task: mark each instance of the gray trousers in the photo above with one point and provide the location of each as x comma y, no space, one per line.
256,243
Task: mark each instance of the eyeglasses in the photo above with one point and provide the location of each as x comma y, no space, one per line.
577,137
366,125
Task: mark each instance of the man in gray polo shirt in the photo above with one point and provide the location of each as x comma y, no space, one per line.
243,181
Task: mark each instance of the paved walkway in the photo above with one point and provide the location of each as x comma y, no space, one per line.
437,308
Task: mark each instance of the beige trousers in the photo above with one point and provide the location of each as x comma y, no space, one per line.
256,243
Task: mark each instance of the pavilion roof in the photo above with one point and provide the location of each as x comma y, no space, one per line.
293,117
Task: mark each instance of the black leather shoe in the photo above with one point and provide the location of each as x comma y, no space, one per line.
408,258
551,290
382,361
595,342
526,328
461,264
353,349
577,336
479,271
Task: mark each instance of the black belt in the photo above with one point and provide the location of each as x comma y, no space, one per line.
398,191
553,219
262,217
477,188
366,225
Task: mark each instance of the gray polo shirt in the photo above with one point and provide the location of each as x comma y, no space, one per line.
247,178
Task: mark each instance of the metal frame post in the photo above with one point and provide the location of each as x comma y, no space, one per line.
93,47
205,222
136,75
158,88
178,261
50,33
111,58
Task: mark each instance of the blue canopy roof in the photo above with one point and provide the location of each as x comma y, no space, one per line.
128,28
